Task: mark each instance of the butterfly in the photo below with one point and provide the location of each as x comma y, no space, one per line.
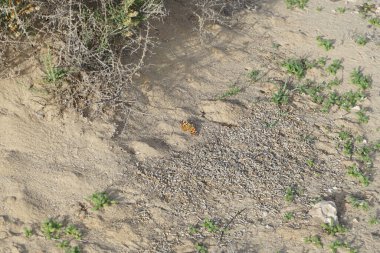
188,127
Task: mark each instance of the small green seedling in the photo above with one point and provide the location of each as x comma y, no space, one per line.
374,21
200,248
374,220
290,194
359,79
335,245
327,44
319,8
296,67
332,228
193,230
28,232
101,199
310,162
340,10
358,203
354,171
73,231
254,75
51,229
315,239
362,117
65,245
333,83
334,67
322,61
361,40
296,3
350,99
364,153
289,216
211,226
281,97
234,90
53,73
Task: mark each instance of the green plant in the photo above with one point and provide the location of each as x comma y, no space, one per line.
344,135
200,248
51,229
254,75
327,44
101,199
315,239
289,216
211,226
322,61
374,21
290,194
358,203
65,245
335,245
281,96
297,67
350,99
361,40
319,8
28,232
354,171
359,79
362,117
340,10
363,154
332,228
53,73
193,230
296,3
334,82
334,67
310,162
234,90
374,220
73,231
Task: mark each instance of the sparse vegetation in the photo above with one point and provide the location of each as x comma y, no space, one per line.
374,220
310,162
340,10
361,40
281,97
358,203
290,194
327,44
289,216
200,248
335,245
354,171
53,73
28,232
234,90
73,231
334,67
211,226
359,79
332,228
375,21
296,3
296,67
315,239
362,116
51,229
254,75
100,199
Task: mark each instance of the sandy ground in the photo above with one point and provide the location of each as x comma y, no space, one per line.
235,170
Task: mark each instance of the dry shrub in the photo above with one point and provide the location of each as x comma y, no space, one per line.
99,45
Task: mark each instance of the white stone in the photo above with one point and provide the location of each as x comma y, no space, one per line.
325,211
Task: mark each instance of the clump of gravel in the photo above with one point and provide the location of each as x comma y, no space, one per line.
250,165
